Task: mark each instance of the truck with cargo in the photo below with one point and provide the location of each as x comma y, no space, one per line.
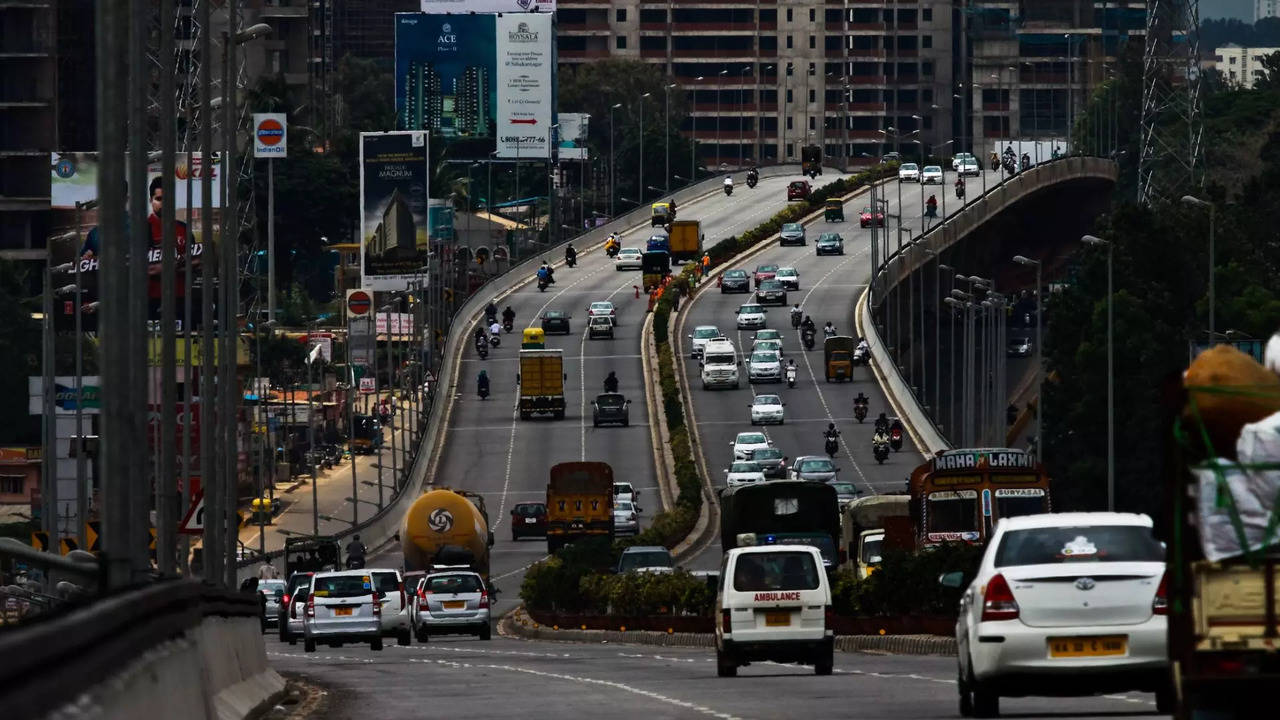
446,528
862,524
579,503
541,381
686,240
783,512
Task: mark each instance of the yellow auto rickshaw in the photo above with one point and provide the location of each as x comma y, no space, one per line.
533,339
663,214
263,509
833,211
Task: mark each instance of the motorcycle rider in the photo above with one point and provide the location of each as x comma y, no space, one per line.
611,383
796,314
544,275
882,423
356,550
959,187
931,206
791,369
490,311
509,316
879,438
807,324
482,383
863,347
494,328
612,246
831,432
896,426
753,176
480,337
829,330
570,255
1026,161
861,400
728,184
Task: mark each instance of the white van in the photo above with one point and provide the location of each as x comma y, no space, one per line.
773,603
719,365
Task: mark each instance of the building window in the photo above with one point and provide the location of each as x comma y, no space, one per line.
813,42
11,484
813,97
813,68
621,42
926,14
789,127
812,121
788,20
926,68
621,15
813,17
926,41
790,96
790,45
789,154
1233,60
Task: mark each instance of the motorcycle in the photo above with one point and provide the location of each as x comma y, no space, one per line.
483,391
495,340
860,412
831,446
807,337
728,190
542,284
795,320
571,260
791,377
881,451
751,181
507,324
482,349
861,357
355,562
612,252
959,192
895,439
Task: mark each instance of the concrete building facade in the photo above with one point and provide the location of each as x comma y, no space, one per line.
1240,66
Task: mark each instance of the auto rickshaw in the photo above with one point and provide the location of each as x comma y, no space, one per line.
663,214
533,339
833,211
263,509
838,356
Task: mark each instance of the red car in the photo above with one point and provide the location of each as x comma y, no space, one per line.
798,190
865,218
528,519
764,272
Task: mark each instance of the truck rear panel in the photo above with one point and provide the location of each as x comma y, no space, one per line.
541,382
686,240
579,502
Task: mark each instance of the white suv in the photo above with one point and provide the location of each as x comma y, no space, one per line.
450,603
342,607
395,606
773,604
719,365
1064,604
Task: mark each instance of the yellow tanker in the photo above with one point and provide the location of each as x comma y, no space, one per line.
446,527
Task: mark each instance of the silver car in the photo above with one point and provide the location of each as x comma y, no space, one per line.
453,603
342,607
814,467
766,366
293,608
626,520
274,592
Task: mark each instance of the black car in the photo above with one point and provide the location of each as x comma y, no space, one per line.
772,462
735,281
830,244
771,292
610,408
555,321
528,519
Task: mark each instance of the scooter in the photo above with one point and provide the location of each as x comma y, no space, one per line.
483,392
728,190
751,181
571,260
507,325
807,337
881,451
542,284
495,340
860,412
355,562
791,377
831,446
895,439
482,349
612,252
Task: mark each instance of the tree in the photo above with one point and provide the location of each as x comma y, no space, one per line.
1270,79
19,354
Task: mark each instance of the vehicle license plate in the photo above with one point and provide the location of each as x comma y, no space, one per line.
530,521
777,619
342,611
1098,646
455,604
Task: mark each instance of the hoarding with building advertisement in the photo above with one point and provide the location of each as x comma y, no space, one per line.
394,187
525,93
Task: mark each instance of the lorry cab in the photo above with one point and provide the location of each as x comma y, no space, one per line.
869,551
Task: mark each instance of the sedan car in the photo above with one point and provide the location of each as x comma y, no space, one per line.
451,603
908,172
698,339
830,244
798,190
813,467
965,164
765,366
1079,603
770,344
1019,347
766,409
743,472
791,234
746,443
603,308
750,316
771,292
846,492
931,175
555,321
646,559
735,281
626,519
789,277
610,408
528,519
767,334
866,216
599,326
627,259
772,462
764,272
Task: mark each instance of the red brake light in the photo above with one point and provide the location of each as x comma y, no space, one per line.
998,602
311,606
726,624
401,595
285,599
484,600
377,604
1160,605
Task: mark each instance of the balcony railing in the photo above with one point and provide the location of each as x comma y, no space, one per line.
584,54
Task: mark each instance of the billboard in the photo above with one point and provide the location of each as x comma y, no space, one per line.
74,178
572,143
487,6
394,187
477,82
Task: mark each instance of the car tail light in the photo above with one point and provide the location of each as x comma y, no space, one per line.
828,616
311,607
726,624
998,602
377,604
402,595
484,601
1160,605
285,599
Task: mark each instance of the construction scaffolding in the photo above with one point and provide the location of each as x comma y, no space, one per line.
1172,154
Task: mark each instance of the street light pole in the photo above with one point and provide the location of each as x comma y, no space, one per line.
640,187
742,106
719,92
612,174
1111,376
1192,200
1022,260
666,136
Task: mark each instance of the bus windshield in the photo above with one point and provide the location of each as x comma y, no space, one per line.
1012,502
953,511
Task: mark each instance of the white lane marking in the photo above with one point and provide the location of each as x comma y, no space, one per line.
582,371
700,709
522,568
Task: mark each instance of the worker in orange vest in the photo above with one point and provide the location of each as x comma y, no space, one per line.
706,263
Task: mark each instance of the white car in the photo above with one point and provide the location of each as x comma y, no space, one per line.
908,172
767,409
626,518
789,278
750,316
625,491
771,345
628,259
766,366
931,175
342,607
395,606
699,338
451,603
1064,604
746,443
743,472
603,308
965,164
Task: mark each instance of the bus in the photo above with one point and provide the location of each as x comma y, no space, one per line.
959,495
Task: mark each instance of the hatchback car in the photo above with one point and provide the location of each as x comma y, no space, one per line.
830,244
813,467
791,234
735,281
599,327
931,175
1019,347
770,344
628,259
764,272
395,605
273,591
603,308
455,602
610,409
771,461
765,366
626,518
846,492
750,317
625,491
342,607
766,409
1078,602
555,321
798,190
908,172
646,558
866,217
528,519
746,443
771,292
789,277
767,334
743,472
293,607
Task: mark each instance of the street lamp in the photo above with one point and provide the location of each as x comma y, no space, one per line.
612,174
741,108
1023,260
551,171
640,185
666,135
693,136
1192,200
719,92
1111,377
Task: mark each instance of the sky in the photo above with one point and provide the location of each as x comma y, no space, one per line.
1239,9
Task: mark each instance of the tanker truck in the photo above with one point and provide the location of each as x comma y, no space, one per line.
446,527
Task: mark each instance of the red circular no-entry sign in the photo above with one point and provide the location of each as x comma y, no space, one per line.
359,302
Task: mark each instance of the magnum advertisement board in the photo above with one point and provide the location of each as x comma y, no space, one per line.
394,187
488,6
